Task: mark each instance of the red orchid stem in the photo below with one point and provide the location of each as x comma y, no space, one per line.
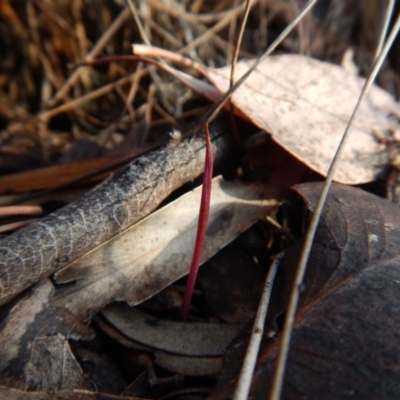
201,226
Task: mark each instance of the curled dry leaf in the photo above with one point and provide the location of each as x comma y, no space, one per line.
144,259
345,341
305,104
53,366
188,339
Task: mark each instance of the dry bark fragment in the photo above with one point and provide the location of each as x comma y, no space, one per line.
45,246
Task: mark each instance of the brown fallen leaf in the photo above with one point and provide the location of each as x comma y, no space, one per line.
305,104
53,366
345,341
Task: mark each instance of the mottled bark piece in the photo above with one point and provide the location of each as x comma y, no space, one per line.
42,248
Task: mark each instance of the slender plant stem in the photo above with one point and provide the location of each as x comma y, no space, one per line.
201,226
385,27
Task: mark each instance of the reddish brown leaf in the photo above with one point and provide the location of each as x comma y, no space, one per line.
345,341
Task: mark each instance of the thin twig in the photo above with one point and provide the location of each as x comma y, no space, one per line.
249,363
290,314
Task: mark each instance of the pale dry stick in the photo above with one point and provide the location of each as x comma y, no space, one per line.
384,30
246,373
293,301
99,46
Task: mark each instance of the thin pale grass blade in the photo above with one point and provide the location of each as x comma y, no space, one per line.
290,314
384,30
246,373
239,40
